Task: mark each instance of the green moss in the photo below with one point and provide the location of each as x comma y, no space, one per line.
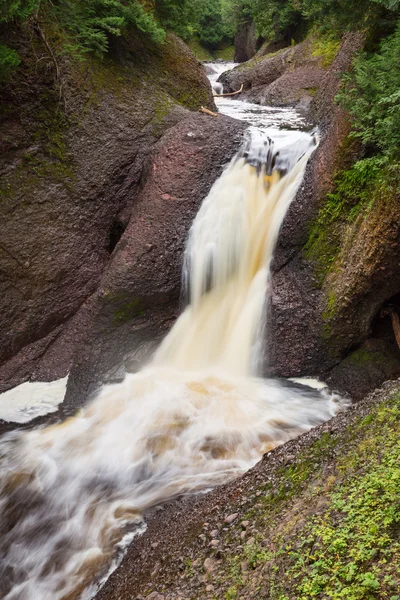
199,51
355,193
326,47
123,306
225,53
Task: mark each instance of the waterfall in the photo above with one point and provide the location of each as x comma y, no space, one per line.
72,495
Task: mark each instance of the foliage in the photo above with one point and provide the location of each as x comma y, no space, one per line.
91,23
356,191
371,95
17,10
275,19
9,59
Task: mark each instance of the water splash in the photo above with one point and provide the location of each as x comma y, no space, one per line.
196,416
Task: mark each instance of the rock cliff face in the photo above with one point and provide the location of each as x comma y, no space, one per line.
317,317
72,151
245,41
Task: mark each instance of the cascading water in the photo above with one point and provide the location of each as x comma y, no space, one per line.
197,416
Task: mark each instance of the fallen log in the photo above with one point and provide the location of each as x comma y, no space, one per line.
208,112
230,93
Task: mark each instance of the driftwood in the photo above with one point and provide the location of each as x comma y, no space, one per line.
390,311
230,94
208,112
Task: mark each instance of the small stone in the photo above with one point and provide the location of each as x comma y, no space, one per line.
203,537
245,524
166,197
250,541
154,545
214,543
209,565
242,535
155,596
210,588
231,518
214,533
244,566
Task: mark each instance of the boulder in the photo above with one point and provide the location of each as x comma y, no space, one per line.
137,298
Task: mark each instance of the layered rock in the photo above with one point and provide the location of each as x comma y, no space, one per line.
245,41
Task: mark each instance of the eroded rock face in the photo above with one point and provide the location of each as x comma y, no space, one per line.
297,331
321,327
137,298
245,41
70,169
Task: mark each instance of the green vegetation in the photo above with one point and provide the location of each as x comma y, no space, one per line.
340,539
9,59
371,93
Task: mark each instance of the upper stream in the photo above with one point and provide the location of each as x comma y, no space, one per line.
73,495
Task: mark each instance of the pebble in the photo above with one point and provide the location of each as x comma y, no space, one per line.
210,588
214,543
203,537
231,518
245,524
242,535
209,565
214,533
250,541
155,596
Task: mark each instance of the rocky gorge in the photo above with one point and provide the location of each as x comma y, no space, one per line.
104,165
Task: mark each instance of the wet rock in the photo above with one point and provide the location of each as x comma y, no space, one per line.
280,80
142,288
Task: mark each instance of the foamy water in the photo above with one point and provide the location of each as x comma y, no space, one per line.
198,415
32,399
